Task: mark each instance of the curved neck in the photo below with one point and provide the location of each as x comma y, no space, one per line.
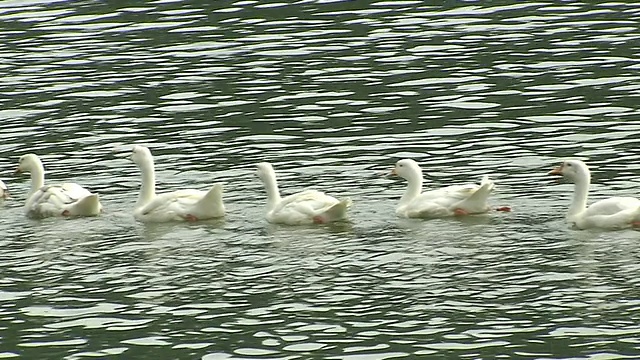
273,194
580,194
414,187
37,177
148,187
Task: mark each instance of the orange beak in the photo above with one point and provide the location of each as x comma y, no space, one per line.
556,171
393,172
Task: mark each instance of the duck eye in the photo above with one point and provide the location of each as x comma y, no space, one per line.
569,165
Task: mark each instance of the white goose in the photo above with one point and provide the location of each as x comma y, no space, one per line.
180,205
611,213
68,199
447,201
306,207
4,192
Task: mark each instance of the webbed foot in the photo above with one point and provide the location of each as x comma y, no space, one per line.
190,218
460,212
319,219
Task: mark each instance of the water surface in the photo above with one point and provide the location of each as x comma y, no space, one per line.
332,93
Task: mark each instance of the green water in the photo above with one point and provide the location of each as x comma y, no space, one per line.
333,93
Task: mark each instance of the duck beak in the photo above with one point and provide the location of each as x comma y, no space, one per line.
18,171
556,171
393,172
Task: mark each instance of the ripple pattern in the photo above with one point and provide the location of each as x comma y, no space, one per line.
333,93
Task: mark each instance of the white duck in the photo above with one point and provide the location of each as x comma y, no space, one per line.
611,213
180,205
68,199
306,207
4,192
447,201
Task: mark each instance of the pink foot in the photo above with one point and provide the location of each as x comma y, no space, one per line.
504,208
190,218
460,212
319,219
66,213
635,224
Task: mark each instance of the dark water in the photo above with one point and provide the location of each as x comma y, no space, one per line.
332,93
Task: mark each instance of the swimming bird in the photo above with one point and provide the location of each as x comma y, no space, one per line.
306,207
181,205
448,201
611,213
67,199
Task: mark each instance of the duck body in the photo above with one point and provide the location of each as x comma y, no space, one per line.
448,201
67,199
611,213
183,205
306,207
452,200
180,205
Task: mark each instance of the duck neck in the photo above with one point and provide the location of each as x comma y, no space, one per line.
37,177
580,194
414,188
273,194
148,188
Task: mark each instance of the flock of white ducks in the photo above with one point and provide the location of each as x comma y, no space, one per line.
312,206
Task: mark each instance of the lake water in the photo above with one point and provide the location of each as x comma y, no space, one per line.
332,93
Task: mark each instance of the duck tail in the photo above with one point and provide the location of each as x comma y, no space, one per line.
87,206
486,187
339,210
486,181
213,200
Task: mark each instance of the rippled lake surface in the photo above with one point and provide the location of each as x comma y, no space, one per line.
332,93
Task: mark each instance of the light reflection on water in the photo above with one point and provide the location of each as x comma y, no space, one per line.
333,94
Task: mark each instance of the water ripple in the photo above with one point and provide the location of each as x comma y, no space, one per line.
332,93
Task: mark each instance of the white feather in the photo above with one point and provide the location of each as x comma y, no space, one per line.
68,199
447,201
306,207
180,205
611,213
4,192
